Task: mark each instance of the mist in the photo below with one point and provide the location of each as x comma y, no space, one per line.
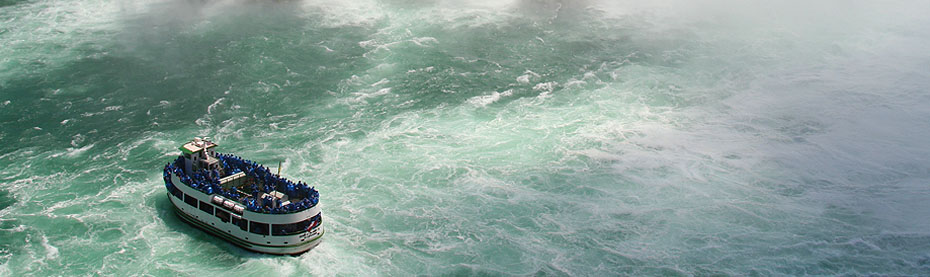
453,137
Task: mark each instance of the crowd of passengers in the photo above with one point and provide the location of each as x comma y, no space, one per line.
208,182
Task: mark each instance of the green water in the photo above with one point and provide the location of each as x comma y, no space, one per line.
476,138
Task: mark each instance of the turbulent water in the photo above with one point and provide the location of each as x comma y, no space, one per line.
521,137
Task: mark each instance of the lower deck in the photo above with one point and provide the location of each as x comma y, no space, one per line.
290,233
303,242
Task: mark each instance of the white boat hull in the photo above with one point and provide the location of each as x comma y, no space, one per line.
281,245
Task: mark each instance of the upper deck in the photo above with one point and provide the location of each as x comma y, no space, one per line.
243,181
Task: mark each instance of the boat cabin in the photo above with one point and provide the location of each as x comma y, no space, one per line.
199,154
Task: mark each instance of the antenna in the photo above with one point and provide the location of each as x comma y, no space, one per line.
279,169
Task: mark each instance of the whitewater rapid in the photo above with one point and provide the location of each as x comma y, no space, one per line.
476,137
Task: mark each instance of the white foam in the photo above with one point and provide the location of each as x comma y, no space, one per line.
598,154
573,82
424,41
485,100
362,97
214,105
381,82
5,267
546,88
51,252
72,152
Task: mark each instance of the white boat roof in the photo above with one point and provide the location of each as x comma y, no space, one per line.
196,145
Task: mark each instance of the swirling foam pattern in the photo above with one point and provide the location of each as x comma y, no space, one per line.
448,137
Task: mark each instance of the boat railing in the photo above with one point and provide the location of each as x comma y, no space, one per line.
211,182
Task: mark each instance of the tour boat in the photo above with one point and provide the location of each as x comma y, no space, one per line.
242,201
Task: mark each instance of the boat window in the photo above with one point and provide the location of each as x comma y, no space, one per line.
258,228
242,223
290,229
190,200
295,228
176,192
222,215
207,208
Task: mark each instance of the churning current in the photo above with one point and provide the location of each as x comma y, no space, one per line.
452,137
